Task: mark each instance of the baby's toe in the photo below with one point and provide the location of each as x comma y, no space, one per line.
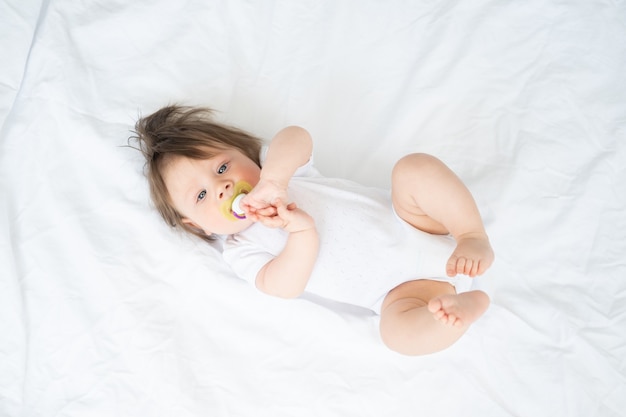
451,266
435,306
439,316
460,265
475,269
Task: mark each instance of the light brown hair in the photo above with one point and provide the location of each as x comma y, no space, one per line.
190,132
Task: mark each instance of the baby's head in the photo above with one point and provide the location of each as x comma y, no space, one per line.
188,132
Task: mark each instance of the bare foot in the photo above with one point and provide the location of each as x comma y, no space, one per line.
473,255
459,309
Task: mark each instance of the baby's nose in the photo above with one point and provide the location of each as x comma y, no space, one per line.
225,191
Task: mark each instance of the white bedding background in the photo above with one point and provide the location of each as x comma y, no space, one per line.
104,311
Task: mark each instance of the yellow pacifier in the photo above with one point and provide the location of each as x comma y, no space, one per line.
231,208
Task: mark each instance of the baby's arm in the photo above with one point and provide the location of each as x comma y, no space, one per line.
289,149
288,273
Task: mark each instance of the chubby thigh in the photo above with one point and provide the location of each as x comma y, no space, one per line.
421,184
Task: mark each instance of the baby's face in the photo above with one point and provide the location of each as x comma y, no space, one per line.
200,188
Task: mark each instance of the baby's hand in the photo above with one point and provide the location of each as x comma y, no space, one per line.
287,217
260,200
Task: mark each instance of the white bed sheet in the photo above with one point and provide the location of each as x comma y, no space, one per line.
104,311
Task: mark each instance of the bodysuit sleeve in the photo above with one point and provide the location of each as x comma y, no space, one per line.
247,252
245,260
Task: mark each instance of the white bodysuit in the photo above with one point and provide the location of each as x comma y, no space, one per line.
366,250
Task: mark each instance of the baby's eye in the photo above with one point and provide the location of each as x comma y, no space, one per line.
222,169
201,195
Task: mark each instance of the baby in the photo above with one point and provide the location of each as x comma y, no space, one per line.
288,230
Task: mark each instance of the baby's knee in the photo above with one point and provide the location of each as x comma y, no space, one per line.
413,164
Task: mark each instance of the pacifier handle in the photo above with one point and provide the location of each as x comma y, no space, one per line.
238,211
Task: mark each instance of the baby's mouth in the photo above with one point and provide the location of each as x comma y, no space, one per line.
231,208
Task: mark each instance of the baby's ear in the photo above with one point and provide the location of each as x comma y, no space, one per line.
194,227
190,223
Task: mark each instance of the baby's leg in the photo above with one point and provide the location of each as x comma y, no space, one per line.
429,196
424,316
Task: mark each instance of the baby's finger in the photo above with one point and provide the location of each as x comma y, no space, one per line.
267,211
278,204
272,222
252,201
247,207
283,212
